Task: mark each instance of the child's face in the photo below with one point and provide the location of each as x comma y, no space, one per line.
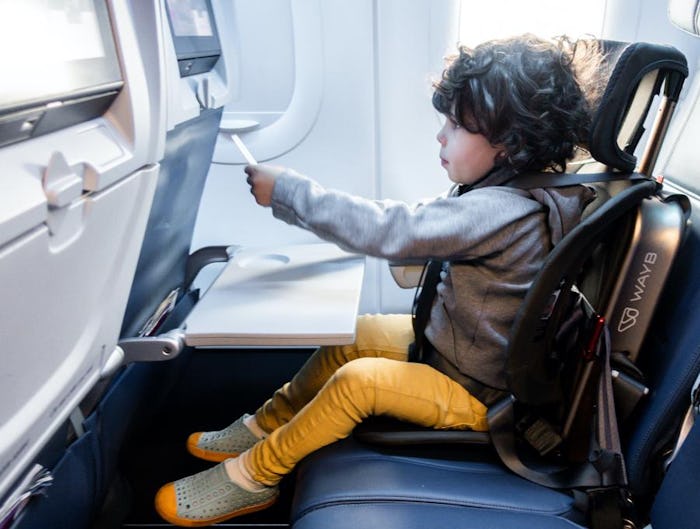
466,156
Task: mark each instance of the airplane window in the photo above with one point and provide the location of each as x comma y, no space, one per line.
278,60
265,47
546,18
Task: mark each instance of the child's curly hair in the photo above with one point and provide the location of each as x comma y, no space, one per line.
529,95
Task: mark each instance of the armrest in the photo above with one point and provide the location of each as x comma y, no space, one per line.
203,257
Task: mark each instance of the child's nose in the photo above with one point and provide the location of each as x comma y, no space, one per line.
441,137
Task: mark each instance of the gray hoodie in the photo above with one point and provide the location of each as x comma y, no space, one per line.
493,239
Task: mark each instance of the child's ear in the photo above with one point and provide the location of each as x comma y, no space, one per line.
501,156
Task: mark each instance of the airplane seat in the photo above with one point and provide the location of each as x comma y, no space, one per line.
164,255
352,484
137,391
189,92
131,408
163,260
673,506
431,485
161,296
79,143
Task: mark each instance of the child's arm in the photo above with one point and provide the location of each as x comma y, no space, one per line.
447,228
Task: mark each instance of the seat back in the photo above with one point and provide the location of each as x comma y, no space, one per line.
162,264
194,108
182,145
79,172
670,356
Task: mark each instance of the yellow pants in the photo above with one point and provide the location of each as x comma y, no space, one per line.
341,385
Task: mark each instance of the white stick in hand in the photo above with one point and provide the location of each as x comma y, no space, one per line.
244,150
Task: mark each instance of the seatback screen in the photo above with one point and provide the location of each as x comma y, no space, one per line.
55,49
194,34
190,18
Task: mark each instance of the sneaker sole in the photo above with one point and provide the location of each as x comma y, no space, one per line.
207,455
185,522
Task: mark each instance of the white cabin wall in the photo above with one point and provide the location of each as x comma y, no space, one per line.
413,39
374,134
647,20
339,150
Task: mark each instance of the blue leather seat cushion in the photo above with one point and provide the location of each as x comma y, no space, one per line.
350,474
421,516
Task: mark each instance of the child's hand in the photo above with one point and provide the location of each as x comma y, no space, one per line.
261,179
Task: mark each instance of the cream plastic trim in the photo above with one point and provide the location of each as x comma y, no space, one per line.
293,125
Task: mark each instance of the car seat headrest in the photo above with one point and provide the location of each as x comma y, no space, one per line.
638,71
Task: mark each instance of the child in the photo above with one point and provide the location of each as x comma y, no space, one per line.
511,106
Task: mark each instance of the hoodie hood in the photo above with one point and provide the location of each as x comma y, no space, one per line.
564,205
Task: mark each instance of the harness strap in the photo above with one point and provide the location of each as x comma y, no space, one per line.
605,470
538,180
422,303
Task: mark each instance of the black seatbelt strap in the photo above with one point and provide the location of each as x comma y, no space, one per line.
422,304
606,470
608,505
608,433
603,476
538,180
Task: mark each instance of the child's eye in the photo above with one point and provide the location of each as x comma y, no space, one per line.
454,123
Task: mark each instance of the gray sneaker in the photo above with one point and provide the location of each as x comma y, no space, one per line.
208,498
223,444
